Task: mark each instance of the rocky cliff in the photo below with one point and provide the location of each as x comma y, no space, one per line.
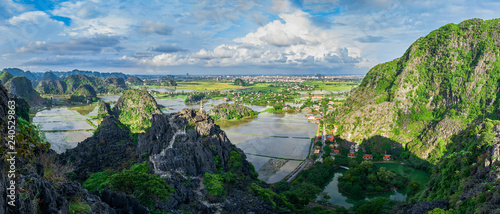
51,87
111,147
39,187
185,148
21,87
443,81
467,177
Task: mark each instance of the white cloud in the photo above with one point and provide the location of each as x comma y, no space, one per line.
293,41
150,27
34,25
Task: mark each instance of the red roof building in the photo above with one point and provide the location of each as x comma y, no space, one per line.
367,157
387,157
351,155
336,152
330,138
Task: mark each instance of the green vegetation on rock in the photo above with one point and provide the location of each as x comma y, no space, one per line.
233,111
136,107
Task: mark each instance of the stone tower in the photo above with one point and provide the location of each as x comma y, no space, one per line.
201,105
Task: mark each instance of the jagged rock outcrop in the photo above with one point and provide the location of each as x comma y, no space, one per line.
182,147
112,146
104,110
122,203
51,87
135,109
227,111
188,131
21,87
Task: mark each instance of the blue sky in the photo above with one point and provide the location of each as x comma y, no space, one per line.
221,37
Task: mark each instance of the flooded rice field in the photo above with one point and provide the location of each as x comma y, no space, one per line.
274,143
65,127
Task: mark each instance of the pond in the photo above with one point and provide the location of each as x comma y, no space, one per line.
341,199
274,143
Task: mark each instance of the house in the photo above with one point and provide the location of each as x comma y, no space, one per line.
316,151
330,138
332,146
387,157
225,99
367,157
286,108
336,152
351,155
330,102
311,117
318,147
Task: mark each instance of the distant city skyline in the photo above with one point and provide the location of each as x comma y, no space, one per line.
202,37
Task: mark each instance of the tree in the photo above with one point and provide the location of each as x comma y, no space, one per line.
328,161
341,160
414,187
213,184
357,192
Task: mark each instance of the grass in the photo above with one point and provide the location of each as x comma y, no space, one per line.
332,86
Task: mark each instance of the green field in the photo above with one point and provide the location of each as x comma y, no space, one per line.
206,86
83,109
332,86
261,87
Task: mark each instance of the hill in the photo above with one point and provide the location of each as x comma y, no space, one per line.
19,73
71,83
21,87
84,93
440,102
443,82
135,108
227,111
5,76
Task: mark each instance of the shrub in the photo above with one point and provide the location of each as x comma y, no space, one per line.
213,184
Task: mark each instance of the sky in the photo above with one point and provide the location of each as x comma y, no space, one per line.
207,37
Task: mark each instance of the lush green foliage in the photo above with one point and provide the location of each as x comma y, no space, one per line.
78,206
136,181
365,178
213,183
231,111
